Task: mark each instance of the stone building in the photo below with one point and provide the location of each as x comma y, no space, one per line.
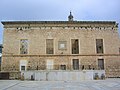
61,45
0,55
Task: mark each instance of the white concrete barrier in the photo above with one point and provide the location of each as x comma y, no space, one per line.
62,75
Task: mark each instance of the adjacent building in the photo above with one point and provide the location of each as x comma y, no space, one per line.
61,45
0,55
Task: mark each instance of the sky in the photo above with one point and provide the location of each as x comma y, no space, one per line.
58,10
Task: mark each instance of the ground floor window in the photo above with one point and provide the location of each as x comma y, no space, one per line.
101,64
23,65
75,64
23,68
63,67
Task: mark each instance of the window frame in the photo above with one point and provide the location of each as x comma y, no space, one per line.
22,68
77,52
52,46
98,51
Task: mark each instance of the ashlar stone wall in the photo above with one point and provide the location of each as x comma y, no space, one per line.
38,32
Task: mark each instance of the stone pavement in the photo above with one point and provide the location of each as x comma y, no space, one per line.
109,84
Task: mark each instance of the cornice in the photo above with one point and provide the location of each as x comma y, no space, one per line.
58,22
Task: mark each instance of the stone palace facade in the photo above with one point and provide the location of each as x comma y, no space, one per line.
61,45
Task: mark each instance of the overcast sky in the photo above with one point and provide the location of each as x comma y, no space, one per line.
58,10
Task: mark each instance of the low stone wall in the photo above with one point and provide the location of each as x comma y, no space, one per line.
14,75
61,75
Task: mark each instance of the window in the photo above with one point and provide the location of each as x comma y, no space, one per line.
49,46
24,46
23,65
75,46
99,45
75,64
23,68
63,67
62,45
101,63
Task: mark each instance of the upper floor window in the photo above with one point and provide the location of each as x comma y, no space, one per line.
49,46
99,46
23,46
75,46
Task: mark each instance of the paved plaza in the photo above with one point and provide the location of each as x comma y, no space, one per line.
108,84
